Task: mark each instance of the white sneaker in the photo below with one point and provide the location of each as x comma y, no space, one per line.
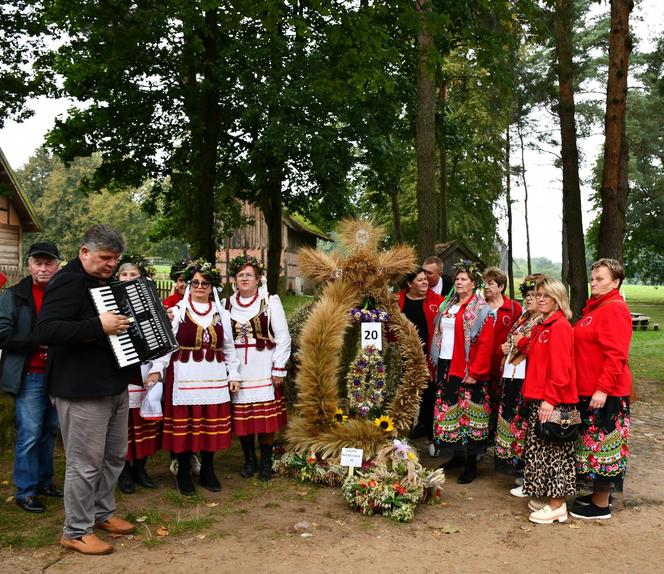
432,450
174,467
518,492
536,504
519,480
547,515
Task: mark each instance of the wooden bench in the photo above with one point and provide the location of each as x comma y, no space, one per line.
640,322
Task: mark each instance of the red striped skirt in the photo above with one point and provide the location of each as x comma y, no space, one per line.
263,417
144,436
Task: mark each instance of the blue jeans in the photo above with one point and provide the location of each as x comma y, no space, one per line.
36,429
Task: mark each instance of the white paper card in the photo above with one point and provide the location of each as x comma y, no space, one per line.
372,334
351,457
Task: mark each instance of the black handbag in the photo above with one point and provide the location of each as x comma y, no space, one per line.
561,428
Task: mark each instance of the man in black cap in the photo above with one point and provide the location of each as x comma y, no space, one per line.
22,374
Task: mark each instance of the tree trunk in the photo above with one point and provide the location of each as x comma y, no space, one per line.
271,205
443,164
394,205
508,192
425,137
615,189
577,275
525,199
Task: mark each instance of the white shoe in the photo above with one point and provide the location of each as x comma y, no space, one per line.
195,465
432,450
518,492
536,504
174,467
547,515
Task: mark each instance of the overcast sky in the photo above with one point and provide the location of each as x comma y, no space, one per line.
19,142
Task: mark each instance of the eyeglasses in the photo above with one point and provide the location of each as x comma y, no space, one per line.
246,276
543,296
197,283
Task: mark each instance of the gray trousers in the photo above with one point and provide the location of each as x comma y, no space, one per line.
94,432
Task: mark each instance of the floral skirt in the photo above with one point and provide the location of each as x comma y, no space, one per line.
461,413
512,426
602,448
548,467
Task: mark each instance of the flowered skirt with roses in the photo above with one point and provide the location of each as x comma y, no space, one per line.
512,427
602,447
461,413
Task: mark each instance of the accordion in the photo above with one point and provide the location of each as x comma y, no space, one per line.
149,335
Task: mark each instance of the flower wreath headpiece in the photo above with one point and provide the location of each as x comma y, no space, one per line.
204,268
241,261
529,284
143,264
470,267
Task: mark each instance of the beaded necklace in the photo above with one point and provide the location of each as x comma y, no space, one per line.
241,304
191,305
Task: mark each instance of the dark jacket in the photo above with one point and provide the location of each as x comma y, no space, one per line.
80,361
17,324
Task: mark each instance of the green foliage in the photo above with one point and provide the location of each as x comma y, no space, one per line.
65,212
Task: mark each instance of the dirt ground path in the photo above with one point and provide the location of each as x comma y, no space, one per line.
478,528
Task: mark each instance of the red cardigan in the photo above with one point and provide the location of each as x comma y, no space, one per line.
601,346
430,307
550,374
507,314
479,357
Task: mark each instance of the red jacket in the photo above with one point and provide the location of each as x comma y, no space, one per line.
601,347
550,373
430,307
507,314
172,300
479,358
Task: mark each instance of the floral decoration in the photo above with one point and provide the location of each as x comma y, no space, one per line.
143,264
204,268
237,263
369,315
384,423
366,381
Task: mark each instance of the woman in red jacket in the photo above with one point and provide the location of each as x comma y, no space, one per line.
601,346
420,304
549,473
461,350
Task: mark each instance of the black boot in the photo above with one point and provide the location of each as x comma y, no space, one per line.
469,471
125,480
457,461
250,463
140,474
183,478
266,462
207,478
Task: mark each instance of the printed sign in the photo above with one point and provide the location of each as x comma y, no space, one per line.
351,457
372,334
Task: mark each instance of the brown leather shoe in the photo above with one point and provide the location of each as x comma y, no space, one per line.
87,544
116,525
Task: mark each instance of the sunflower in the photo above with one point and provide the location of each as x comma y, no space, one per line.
385,423
339,416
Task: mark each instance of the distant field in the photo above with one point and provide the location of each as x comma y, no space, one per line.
649,293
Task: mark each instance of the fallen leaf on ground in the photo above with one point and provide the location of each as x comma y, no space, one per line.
449,529
162,531
211,504
306,535
201,536
574,526
141,518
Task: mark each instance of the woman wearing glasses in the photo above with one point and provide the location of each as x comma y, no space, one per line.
549,474
263,344
512,410
200,376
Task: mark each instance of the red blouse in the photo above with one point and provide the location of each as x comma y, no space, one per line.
507,315
479,359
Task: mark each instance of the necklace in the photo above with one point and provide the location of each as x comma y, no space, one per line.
241,304
191,301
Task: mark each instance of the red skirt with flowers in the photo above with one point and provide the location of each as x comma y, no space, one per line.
144,436
602,448
262,417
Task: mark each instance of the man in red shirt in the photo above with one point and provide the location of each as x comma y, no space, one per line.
22,375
